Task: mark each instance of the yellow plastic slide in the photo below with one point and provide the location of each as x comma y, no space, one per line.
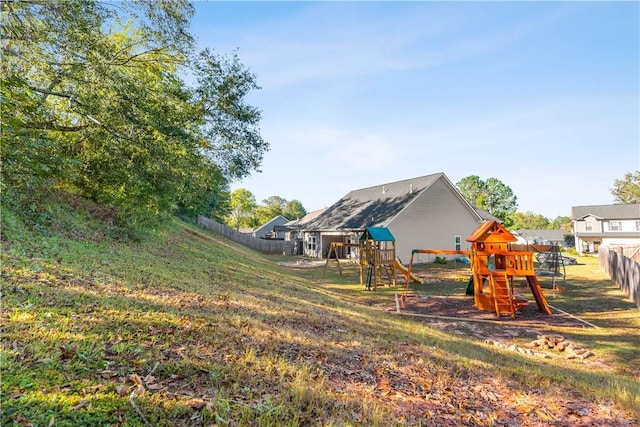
404,269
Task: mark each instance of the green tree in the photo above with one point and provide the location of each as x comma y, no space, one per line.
276,205
271,207
491,195
627,189
93,104
242,208
562,222
294,210
529,221
473,189
233,139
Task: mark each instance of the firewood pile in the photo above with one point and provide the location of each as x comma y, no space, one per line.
560,344
547,342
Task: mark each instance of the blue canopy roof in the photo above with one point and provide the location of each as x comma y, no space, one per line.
379,234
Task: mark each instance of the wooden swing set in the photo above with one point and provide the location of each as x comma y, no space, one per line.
493,267
376,257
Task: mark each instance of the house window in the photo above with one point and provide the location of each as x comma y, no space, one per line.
311,243
615,226
457,241
588,226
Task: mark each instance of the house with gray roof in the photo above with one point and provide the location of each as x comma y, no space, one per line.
542,236
293,232
605,225
266,231
426,212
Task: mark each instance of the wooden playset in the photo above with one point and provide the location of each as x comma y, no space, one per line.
376,258
378,254
493,267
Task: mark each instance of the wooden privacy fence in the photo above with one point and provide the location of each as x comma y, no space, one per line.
622,269
261,245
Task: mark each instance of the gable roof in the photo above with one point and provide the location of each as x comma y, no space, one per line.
551,235
276,220
308,217
377,206
620,211
491,231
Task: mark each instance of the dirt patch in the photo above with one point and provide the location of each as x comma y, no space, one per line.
303,264
462,307
458,315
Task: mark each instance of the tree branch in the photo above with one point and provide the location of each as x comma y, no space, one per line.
53,126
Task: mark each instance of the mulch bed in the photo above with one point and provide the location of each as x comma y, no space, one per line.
462,307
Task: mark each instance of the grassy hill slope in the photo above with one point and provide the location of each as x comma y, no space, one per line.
186,328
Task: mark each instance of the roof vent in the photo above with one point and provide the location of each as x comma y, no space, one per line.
384,189
410,188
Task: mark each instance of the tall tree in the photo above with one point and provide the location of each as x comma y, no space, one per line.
93,104
231,125
276,205
529,221
491,195
242,208
473,189
294,210
627,189
271,207
562,222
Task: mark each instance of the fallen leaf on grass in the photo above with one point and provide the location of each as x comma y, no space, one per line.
80,405
197,403
122,389
24,421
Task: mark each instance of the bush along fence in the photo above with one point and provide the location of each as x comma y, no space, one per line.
619,264
260,245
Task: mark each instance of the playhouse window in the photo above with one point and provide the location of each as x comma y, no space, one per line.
457,240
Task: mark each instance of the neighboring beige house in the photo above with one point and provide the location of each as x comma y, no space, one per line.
427,212
605,225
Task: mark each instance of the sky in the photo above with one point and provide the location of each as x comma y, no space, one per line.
544,96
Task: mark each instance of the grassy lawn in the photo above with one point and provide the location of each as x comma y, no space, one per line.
186,328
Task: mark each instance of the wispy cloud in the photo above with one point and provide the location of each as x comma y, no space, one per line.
328,41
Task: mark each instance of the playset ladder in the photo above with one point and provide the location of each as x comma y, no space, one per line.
501,291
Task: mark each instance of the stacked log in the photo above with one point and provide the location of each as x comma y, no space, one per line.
519,349
547,342
560,344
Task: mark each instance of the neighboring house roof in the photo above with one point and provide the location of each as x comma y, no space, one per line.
553,235
305,219
620,211
268,227
298,224
377,206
